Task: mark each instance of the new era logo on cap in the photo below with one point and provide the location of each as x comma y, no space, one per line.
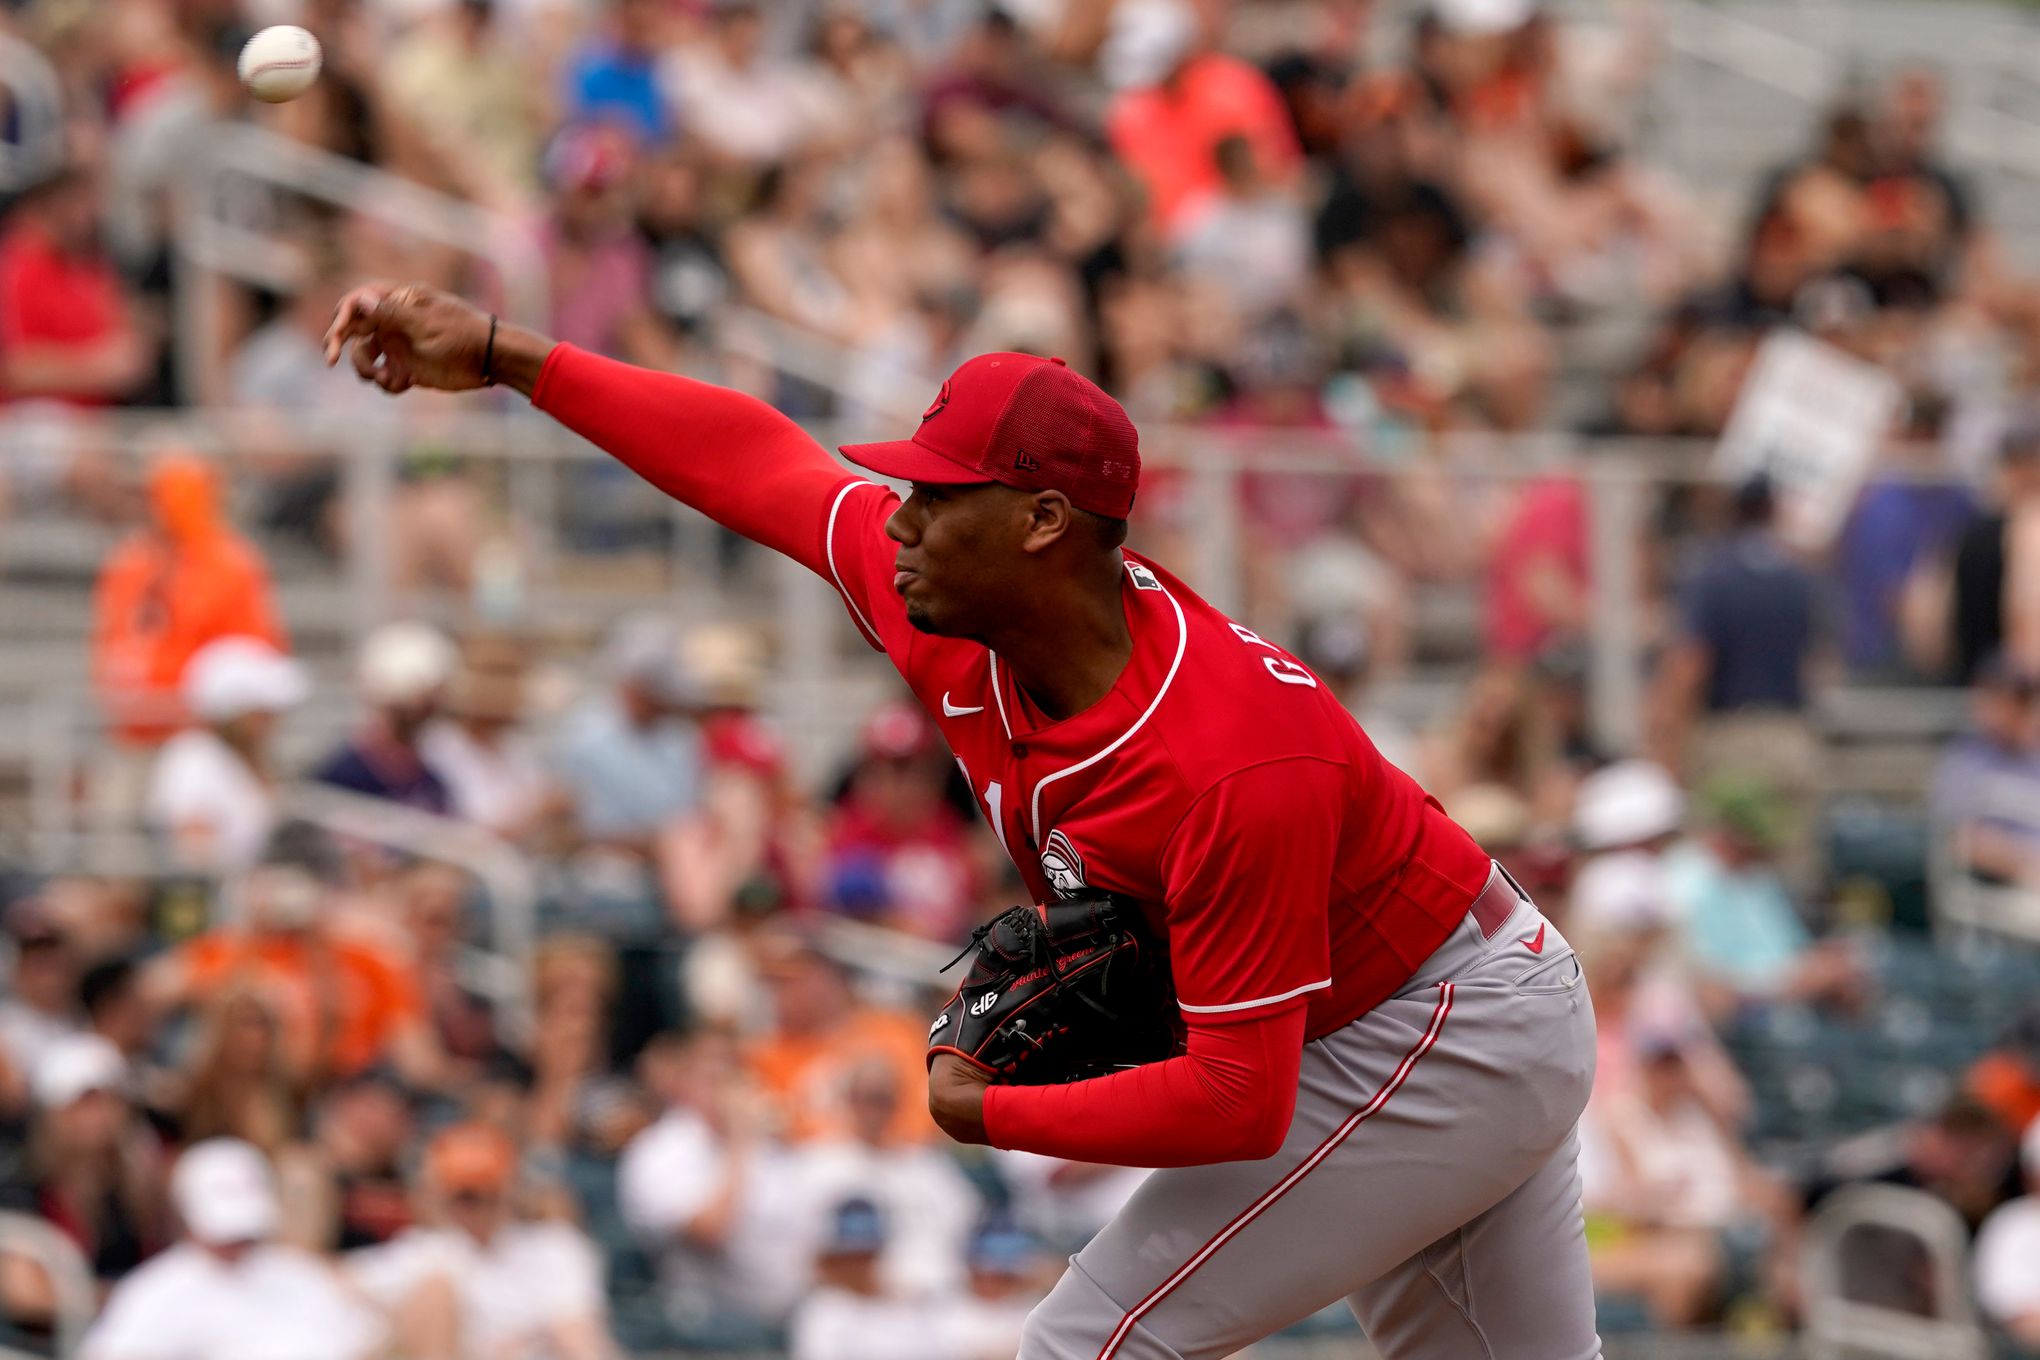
1025,422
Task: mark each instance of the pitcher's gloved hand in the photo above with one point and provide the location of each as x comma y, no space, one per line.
1061,992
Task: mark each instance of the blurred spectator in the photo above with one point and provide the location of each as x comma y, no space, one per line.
628,755
483,1284
1894,558
899,854
1630,805
1732,693
401,674
40,1003
1006,1277
494,773
179,582
575,1103
1986,789
110,995
1740,928
345,1189
820,1034
689,283
1167,125
614,76
434,903
212,793
240,1084
710,1193
1962,1154
850,1315
90,1167
471,97
343,1003
2007,1248
1996,597
600,268
1250,239
927,1203
745,105
230,1292
1538,591
67,330
755,844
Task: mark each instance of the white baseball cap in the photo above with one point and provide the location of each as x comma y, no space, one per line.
231,676
1627,803
1622,893
224,1192
403,663
74,1066
1478,18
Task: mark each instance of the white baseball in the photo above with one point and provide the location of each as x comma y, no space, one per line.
280,63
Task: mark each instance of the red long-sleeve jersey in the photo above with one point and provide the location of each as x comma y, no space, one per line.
1297,877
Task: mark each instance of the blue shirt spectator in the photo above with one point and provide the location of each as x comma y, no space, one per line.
610,83
630,757
1897,525
1987,786
1754,609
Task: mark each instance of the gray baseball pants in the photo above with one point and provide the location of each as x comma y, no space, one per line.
1429,1178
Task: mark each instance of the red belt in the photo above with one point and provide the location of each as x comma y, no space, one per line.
1497,902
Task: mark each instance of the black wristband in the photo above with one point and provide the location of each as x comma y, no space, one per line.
489,355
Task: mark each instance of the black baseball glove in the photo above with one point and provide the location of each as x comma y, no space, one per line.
1059,993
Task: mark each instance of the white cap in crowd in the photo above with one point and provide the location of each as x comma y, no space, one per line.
74,1066
1480,18
405,663
1627,803
224,1192
231,676
646,652
1620,894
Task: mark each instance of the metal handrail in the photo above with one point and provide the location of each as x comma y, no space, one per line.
70,1275
504,972
1838,1326
39,107
210,244
1976,134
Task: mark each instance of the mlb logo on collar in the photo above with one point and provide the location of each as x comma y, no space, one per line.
1143,579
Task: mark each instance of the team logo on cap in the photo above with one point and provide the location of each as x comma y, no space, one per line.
941,400
1062,866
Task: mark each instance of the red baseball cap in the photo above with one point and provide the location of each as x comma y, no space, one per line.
1025,422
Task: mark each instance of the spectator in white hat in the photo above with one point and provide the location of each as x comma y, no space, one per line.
630,755
90,1168
402,674
1630,805
212,793
2007,1256
229,1292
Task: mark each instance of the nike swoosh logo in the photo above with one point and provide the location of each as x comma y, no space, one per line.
1535,944
950,710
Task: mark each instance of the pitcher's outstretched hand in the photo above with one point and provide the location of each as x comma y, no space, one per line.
411,335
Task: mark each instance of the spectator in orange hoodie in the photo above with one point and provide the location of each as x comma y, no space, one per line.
181,581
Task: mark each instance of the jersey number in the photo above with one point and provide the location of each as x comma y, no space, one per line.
1282,668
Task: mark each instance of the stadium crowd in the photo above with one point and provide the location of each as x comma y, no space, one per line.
279,1092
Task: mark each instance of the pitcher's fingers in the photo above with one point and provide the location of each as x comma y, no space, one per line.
367,352
352,319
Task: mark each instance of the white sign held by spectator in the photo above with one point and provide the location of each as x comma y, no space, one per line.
1811,417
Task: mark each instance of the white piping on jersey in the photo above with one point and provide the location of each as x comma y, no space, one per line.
829,547
999,698
1257,1001
1182,642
